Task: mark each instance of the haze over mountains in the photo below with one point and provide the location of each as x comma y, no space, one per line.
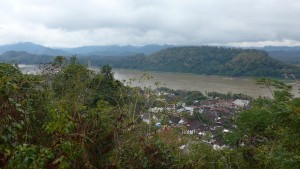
286,54
209,60
111,50
283,53
31,48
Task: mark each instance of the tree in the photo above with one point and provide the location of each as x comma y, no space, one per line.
267,135
60,61
74,60
106,70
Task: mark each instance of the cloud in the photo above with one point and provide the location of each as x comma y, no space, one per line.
190,22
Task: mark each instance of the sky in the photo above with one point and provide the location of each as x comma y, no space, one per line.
72,23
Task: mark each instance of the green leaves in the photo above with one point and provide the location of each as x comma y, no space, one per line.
61,122
76,118
268,134
30,156
8,70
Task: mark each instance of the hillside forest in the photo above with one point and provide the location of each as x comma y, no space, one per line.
71,117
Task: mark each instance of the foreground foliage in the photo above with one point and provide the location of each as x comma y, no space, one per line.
72,117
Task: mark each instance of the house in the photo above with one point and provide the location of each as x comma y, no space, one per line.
182,121
180,110
225,131
217,147
201,133
241,103
189,110
158,124
193,125
174,119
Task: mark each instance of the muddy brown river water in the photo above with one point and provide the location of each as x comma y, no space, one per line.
184,81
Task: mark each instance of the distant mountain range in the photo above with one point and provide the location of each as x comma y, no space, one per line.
112,50
286,54
25,58
187,59
115,50
283,53
32,49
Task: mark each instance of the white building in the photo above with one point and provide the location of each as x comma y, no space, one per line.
241,103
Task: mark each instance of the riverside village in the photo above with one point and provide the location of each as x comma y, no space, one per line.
206,117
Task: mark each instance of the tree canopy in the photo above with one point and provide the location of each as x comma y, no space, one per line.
73,117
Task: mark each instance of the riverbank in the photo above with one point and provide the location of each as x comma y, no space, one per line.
185,81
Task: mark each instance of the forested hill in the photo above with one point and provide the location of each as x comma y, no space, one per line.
191,59
24,58
208,60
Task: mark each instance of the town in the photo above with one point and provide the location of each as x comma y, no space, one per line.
207,117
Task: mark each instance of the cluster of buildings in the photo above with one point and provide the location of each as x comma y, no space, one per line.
208,119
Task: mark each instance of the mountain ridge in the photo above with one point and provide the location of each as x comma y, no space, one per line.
22,57
31,48
210,61
192,59
109,50
288,54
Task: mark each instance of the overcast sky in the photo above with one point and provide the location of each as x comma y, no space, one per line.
70,23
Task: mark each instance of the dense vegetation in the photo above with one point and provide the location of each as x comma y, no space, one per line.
71,117
210,61
268,135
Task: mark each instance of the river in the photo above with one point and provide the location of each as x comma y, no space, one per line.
185,81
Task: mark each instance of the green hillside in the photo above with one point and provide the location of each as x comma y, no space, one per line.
199,60
210,61
24,58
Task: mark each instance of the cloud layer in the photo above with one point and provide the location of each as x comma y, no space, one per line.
66,23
